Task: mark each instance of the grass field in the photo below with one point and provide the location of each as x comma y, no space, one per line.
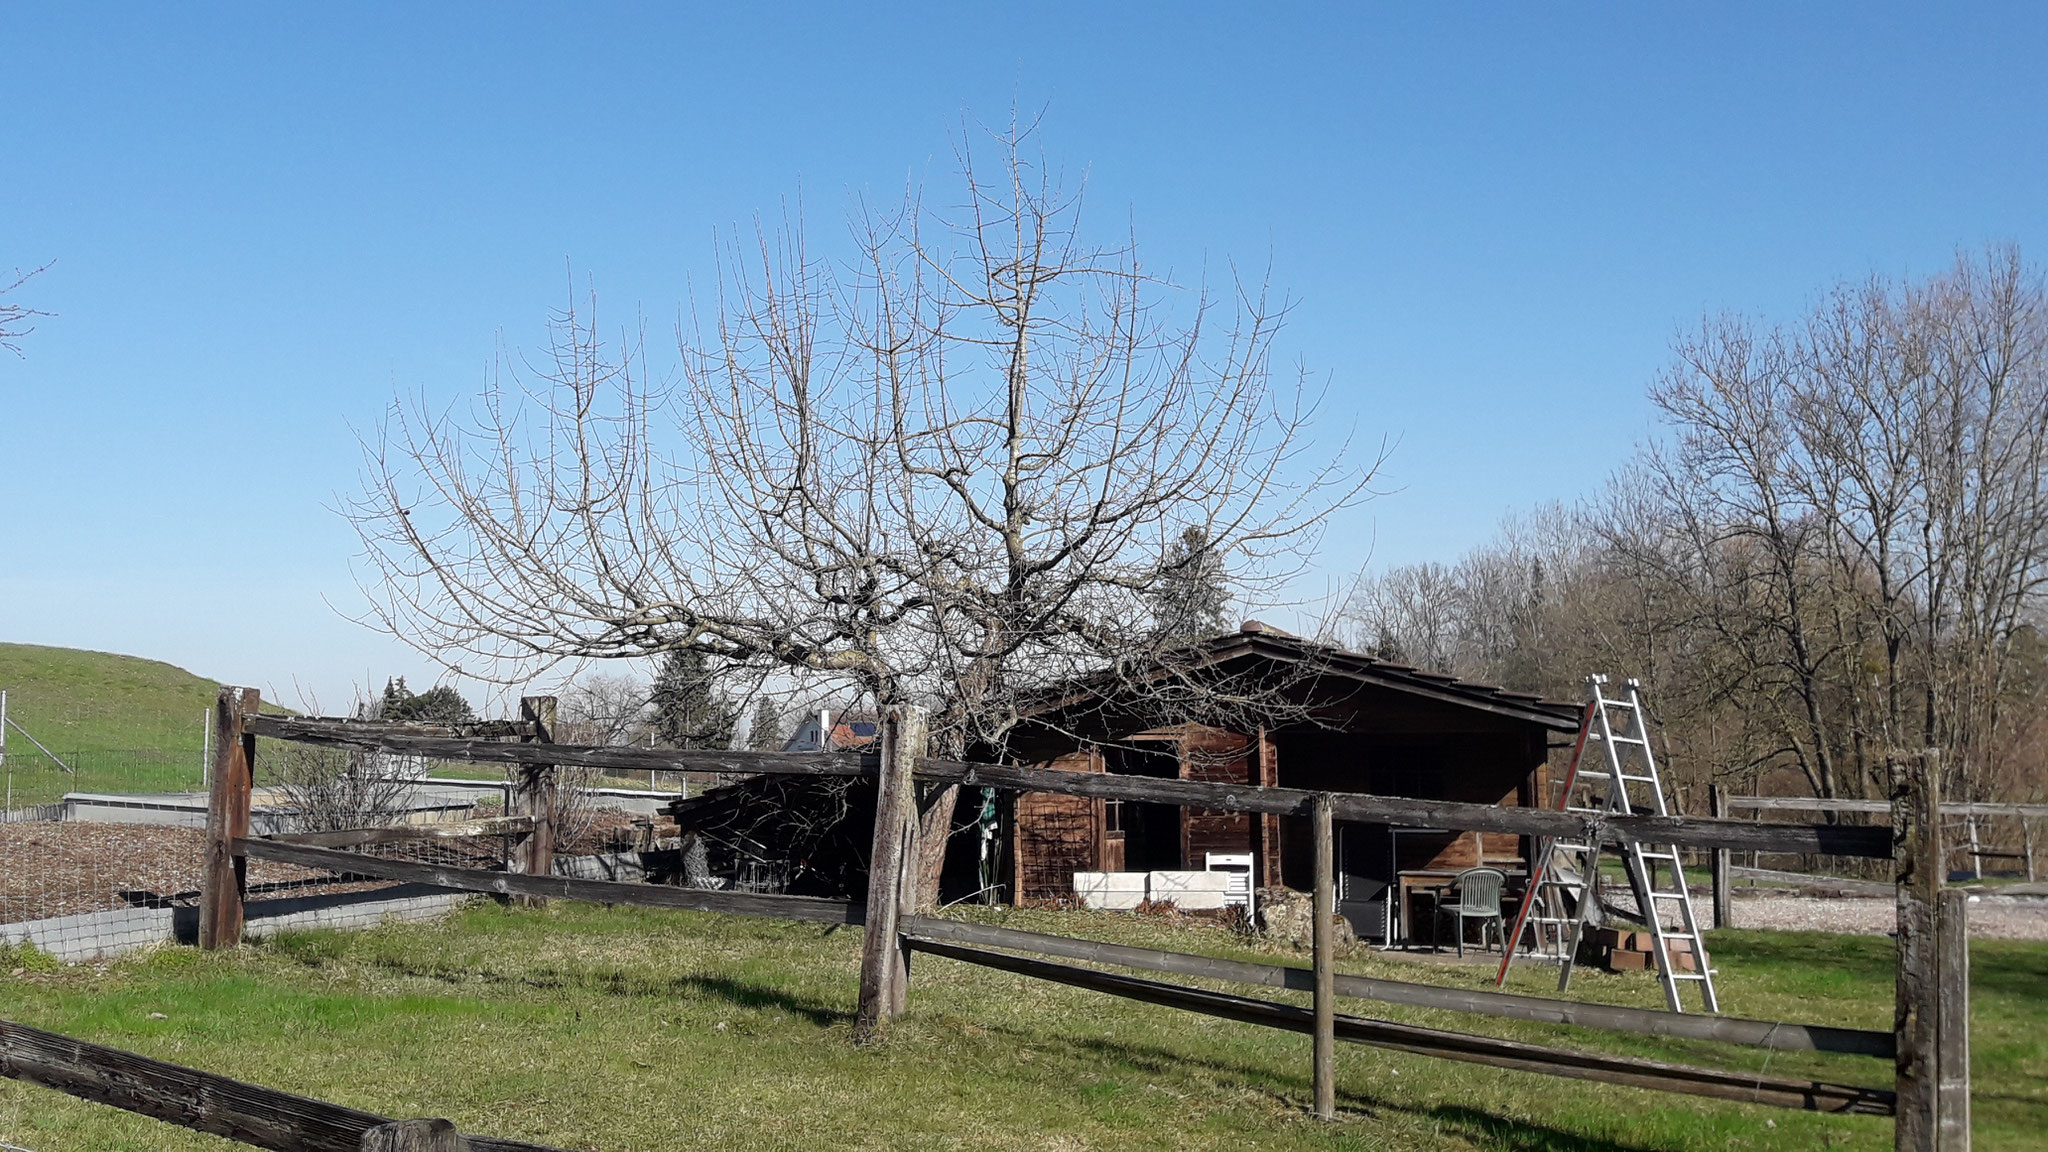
118,723
595,1028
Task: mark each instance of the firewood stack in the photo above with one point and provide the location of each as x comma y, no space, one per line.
1621,951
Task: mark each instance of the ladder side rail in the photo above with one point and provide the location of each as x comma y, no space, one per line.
1650,768
1642,880
1545,846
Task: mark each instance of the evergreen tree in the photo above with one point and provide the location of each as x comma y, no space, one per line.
766,734
442,705
1191,592
689,710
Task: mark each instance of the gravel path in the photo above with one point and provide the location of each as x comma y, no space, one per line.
1993,915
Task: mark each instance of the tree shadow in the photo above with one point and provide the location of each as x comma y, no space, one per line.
1480,1126
1520,1135
622,985
2019,972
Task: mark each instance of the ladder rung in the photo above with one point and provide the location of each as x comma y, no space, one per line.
1667,895
1671,856
1639,779
1636,740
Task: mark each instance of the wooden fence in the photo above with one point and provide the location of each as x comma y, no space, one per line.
1928,1043
1971,814
206,1102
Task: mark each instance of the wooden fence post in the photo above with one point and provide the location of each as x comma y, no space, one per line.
892,874
1724,900
414,1136
535,795
1918,873
2027,837
1952,1030
1323,940
224,875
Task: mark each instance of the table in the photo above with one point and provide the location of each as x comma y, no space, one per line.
1430,882
1435,883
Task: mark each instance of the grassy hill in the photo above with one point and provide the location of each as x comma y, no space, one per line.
118,723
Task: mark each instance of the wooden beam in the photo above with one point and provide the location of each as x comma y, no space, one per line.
1952,1027
1353,807
608,757
804,908
1361,808
1811,1095
1879,807
1322,937
1770,1034
223,875
1811,880
1916,832
534,797
892,875
201,1101
352,837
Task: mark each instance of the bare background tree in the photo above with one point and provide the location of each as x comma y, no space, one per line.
604,708
951,468
1840,549
15,318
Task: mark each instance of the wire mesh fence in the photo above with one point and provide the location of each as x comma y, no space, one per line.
102,847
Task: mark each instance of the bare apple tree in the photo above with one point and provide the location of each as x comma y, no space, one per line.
951,468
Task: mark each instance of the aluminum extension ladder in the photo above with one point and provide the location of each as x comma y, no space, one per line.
1563,892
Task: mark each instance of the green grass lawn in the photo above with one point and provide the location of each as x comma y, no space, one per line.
598,1028
119,723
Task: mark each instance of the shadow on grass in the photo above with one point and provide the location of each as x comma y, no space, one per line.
1519,1135
1481,1127
618,984
2009,970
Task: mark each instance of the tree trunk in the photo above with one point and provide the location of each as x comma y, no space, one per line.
935,824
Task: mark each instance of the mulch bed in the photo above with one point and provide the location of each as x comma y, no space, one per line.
58,868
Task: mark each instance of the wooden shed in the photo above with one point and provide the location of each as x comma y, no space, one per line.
1330,719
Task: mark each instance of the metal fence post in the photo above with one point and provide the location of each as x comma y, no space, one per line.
224,877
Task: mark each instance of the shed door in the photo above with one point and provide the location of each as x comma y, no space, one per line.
1364,869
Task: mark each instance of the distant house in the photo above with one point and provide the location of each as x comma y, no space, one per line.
822,731
1332,719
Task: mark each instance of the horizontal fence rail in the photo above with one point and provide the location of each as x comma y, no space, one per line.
1731,1030
1770,1034
402,833
804,908
1880,807
1811,1095
202,1101
1811,880
1691,832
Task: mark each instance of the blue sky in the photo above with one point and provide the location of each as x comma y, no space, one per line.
266,221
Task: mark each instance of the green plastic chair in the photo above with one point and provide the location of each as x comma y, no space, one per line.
1478,899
